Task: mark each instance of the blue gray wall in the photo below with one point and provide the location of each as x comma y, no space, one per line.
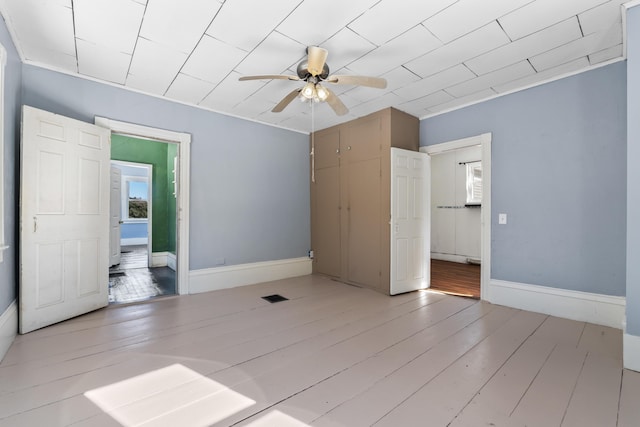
12,102
559,171
633,171
249,182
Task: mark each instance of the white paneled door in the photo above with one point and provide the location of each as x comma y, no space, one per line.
64,218
115,213
410,221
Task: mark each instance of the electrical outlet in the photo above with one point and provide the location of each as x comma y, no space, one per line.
502,218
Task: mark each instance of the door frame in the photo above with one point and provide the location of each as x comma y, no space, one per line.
484,140
183,194
149,169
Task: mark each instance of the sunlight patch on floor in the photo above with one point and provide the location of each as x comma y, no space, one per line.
174,395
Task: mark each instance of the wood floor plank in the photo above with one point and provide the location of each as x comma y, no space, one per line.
448,393
371,405
311,403
331,355
498,398
594,402
545,402
629,412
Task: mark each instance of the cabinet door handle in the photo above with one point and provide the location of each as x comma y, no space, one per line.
349,148
338,151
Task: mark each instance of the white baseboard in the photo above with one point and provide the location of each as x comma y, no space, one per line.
452,258
631,349
211,279
159,259
172,261
582,306
134,241
8,328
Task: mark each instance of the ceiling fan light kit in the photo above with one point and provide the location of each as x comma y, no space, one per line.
313,71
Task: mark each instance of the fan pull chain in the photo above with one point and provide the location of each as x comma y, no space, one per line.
313,147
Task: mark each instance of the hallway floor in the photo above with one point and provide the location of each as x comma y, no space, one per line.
133,281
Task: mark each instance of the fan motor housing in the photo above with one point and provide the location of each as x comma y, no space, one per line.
304,74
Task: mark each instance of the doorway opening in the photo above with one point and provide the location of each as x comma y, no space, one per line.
179,255
461,216
138,272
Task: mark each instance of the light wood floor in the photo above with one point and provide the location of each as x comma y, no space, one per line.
333,355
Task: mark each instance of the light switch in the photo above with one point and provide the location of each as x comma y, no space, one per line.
502,218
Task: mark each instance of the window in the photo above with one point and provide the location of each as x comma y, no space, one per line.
474,184
135,198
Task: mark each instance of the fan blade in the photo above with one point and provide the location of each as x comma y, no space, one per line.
336,104
269,77
317,56
376,82
286,101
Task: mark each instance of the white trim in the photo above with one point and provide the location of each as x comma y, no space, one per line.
159,259
576,305
171,261
183,197
8,328
134,241
484,140
3,62
462,259
631,352
212,279
630,4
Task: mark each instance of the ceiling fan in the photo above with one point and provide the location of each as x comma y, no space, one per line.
314,70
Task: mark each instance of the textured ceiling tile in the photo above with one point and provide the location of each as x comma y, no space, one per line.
102,63
601,17
112,23
178,25
400,50
461,102
526,47
201,63
44,30
432,84
482,40
345,47
426,102
399,77
189,89
465,16
606,55
390,18
569,67
536,15
582,47
507,74
230,92
312,23
273,56
375,104
154,67
245,23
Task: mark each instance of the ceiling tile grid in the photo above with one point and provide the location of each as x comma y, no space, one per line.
436,55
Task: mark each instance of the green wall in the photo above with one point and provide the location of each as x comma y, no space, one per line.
163,207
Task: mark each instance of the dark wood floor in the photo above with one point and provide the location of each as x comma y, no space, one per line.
455,278
133,281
